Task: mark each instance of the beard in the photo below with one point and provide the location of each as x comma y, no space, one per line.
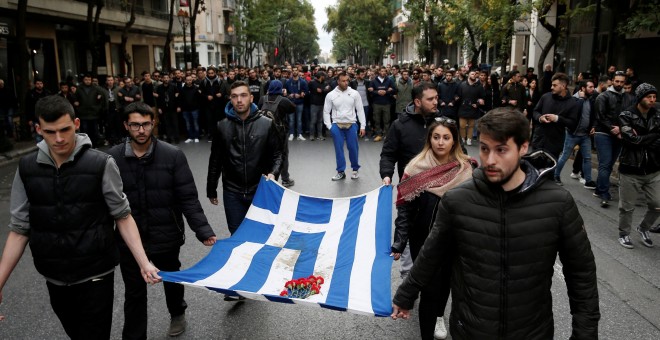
504,180
137,141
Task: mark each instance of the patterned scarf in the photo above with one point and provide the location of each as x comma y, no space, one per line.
427,175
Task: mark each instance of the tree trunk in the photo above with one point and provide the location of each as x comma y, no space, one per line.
167,51
554,36
125,57
194,60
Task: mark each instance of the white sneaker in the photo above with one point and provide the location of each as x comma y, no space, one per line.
188,140
300,137
290,138
196,140
440,330
575,176
583,181
469,141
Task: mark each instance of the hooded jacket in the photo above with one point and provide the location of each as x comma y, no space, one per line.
503,247
243,151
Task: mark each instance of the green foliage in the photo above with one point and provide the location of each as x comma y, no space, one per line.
361,28
286,24
645,18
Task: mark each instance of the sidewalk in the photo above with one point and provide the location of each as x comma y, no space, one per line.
20,149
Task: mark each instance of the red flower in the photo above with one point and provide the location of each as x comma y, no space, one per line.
319,280
284,293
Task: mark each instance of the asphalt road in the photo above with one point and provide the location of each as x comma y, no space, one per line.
628,280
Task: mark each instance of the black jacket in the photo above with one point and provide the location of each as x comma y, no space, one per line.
640,152
503,248
161,189
469,95
550,136
167,99
448,93
316,97
414,220
189,98
609,105
211,87
243,151
405,140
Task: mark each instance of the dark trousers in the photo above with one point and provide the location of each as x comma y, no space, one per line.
84,309
433,297
236,207
135,304
91,128
171,120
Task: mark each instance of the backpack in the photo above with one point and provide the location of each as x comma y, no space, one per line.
270,110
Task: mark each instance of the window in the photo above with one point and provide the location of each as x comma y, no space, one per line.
209,24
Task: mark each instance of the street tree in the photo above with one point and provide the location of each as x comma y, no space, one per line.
361,29
126,61
94,44
167,52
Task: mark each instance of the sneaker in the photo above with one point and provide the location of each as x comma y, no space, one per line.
300,137
378,139
196,140
625,242
583,181
311,139
321,138
469,141
290,138
177,325
440,330
655,229
355,174
339,176
575,176
591,185
288,183
188,140
233,298
558,181
646,239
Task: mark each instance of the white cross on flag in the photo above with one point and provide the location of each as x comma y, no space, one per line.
286,236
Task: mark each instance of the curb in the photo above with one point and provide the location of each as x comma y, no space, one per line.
15,154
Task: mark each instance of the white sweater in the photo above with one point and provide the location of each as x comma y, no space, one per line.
343,105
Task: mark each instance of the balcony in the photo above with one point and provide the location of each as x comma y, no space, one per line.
229,5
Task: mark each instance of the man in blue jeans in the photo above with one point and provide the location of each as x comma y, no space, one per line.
580,135
246,146
346,107
607,136
296,89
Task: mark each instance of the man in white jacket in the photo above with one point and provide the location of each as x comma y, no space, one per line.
347,111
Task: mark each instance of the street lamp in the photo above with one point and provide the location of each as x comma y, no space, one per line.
184,20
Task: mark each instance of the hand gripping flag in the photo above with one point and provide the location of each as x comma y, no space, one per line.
286,235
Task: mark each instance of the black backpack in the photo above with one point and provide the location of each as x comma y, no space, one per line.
270,110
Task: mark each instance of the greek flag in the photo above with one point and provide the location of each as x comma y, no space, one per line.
286,236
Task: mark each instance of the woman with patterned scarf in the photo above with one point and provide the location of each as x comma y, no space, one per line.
440,166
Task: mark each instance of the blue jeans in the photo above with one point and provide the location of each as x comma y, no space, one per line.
192,126
236,207
298,122
570,141
608,149
338,138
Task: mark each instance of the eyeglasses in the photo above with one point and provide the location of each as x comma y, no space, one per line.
443,120
147,126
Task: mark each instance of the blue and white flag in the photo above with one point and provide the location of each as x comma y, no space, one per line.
286,236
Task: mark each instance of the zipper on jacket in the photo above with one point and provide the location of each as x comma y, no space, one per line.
504,275
245,179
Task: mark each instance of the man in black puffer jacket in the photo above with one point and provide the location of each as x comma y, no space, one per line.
245,148
502,231
161,190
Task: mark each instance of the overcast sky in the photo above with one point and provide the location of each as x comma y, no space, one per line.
325,39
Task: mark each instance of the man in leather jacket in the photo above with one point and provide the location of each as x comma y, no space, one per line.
246,146
639,164
502,257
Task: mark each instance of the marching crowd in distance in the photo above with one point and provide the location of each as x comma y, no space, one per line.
424,115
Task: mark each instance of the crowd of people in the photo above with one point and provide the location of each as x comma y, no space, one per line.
459,223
